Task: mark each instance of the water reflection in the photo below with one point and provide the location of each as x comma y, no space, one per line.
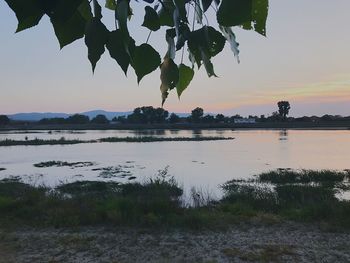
251,152
283,135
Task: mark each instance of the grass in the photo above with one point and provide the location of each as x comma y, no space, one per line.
159,202
164,139
144,139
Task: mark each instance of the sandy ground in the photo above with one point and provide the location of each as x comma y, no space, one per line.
283,242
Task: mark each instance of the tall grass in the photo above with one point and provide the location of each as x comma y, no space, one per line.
308,196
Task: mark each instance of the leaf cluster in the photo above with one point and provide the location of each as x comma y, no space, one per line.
75,19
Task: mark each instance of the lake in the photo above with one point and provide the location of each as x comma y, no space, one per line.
203,164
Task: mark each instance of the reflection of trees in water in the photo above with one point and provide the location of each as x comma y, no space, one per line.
174,132
283,135
220,132
197,133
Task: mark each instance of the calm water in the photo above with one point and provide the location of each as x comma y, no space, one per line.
201,164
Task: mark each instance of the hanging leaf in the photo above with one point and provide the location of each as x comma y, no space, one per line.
169,77
198,12
111,4
260,13
115,46
206,4
28,13
185,77
145,59
231,38
209,67
97,9
96,36
70,30
151,20
207,40
166,13
85,10
170,35
250,14
234,12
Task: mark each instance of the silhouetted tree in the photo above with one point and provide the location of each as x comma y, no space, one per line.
77,119
148,115
220,118
4,120
283,109
100,119
196,114
174,118
52,121
208,119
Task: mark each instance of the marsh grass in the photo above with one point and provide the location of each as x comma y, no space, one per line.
299,195
158,202
143,139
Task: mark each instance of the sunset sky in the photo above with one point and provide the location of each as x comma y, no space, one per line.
304,59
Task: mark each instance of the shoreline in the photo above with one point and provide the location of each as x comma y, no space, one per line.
342,125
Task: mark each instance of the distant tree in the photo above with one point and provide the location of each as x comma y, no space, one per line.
148,114
197,114
262,118
52,121
174,118
275,116
4,120
161,115
100,119
78,119
121,119
220,118
283,109
208,119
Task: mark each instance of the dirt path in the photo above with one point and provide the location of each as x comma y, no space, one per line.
285,242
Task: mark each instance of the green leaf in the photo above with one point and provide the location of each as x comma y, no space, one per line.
151,20
206,40
111,4
185,77
97,9
169,36
169,76
70,30
234,12
145,59
85,10
96,36
166,13
206,4
260,13
115,46
28,13
244,13
209,67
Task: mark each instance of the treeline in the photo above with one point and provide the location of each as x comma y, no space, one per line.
151,115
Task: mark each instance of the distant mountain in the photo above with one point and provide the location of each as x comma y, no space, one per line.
36,116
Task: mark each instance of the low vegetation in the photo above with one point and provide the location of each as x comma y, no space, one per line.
63,141
62,164
305,196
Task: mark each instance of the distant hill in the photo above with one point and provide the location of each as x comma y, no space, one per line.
36,116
